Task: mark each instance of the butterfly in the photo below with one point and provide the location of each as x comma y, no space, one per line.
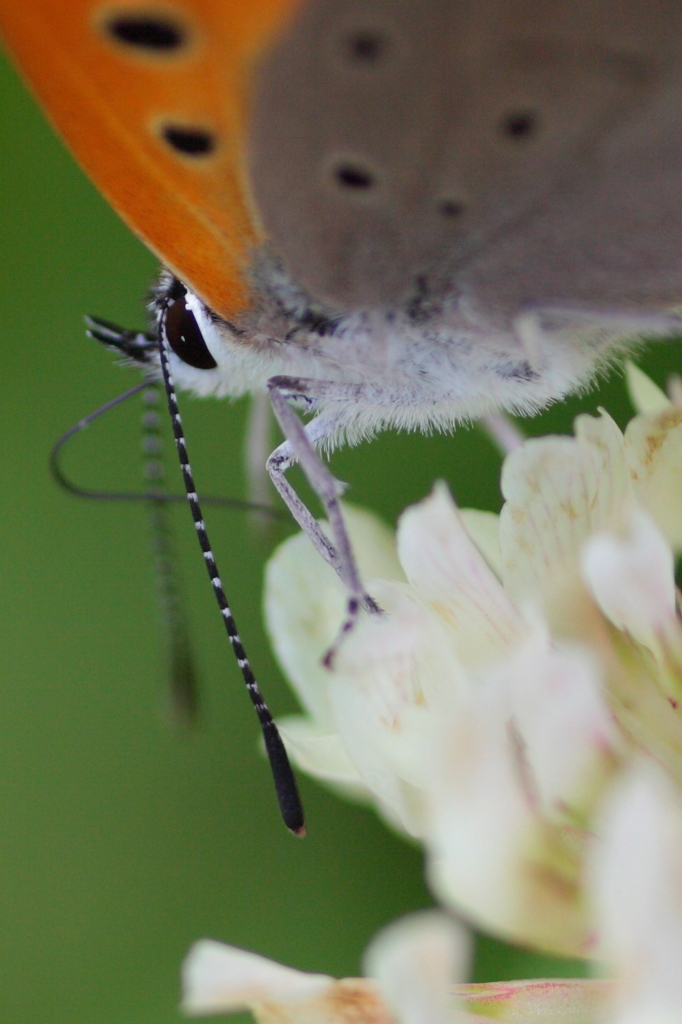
381,213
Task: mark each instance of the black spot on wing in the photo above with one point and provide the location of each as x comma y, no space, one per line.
147,32
450,208
365,46
519,125
353,177
188,140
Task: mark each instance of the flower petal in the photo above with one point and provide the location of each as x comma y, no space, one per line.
322,755
305,603
645,396
484,530
448,572
217,978
387,671
632,578
561,721
555,1001
558,491
514,771
637,883
653,447
416,961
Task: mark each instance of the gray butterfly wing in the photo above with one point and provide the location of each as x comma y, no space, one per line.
496,152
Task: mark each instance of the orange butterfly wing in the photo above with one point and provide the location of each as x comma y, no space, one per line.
113,103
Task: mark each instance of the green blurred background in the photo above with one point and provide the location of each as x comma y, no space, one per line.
122,839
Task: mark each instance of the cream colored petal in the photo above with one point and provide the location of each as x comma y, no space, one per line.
513,774
561,722
305,603
632,578
416,961
555,1001
645,396
653,447
387,672
646,704
477,819
380,758
221,979
637,884
350,1001
322,755
448,573
484,530
217,978
558,491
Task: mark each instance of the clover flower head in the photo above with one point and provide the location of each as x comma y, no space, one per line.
521,663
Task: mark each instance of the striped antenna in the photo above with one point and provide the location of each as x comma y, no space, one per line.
282,773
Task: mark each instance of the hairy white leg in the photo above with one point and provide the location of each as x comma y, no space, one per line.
300,447
278,463
503,432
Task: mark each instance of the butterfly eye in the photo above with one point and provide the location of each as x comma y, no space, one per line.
184,337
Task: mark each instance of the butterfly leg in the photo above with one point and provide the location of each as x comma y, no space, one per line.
300,447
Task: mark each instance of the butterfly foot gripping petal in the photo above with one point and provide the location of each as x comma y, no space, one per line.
353,609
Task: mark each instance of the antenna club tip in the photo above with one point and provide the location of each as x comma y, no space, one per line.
301,832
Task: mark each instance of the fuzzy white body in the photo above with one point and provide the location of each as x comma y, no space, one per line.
391,372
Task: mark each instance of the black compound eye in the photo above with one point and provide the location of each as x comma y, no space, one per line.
184,337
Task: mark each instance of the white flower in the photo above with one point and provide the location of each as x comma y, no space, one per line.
520,662
512,776
413,973
304,605
637,886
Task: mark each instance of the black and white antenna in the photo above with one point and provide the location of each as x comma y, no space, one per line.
286,786
138,348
